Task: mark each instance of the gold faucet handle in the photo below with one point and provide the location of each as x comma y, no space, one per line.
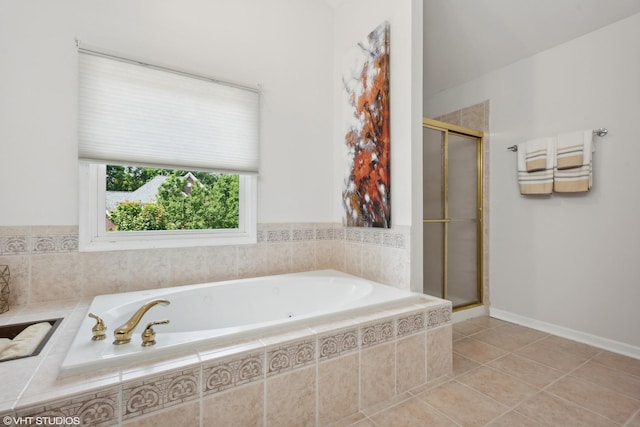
99,329
149,335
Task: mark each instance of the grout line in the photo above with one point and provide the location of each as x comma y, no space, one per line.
622,371
437,411
578,406
201,394
383,409
634,415
485,395
567,374
317,381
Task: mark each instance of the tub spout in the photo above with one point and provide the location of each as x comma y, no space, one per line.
123,333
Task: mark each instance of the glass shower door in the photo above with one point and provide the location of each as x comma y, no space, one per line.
452,213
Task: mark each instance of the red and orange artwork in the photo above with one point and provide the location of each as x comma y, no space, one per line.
366,193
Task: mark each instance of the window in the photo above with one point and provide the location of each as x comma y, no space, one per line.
187,147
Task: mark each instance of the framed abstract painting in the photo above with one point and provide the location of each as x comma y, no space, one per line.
366,193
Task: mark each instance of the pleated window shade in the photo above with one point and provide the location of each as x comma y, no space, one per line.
131,114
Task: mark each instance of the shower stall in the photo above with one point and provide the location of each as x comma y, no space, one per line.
452,213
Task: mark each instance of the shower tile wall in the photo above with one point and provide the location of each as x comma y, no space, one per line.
46,265
477,117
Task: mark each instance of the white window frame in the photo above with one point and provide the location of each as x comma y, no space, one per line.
93,234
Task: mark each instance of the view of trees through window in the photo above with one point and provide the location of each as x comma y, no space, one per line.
142,199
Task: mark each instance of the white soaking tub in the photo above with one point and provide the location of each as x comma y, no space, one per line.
210,313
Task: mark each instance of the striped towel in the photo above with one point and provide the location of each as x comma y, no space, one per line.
536,154
538,182
577,179
572,180
570,148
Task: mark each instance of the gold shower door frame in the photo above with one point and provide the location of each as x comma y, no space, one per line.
446,130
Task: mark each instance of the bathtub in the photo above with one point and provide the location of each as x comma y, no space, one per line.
210,314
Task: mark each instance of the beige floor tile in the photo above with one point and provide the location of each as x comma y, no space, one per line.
348,421
573,347
509,337
526,370
603,401
463,404
477,350
499,386
610,378
531,334
364,423
618,361
412,413
513,419
634,422
553,411
467,327
457,336
557,353
431,384
488,322
386,404
461,364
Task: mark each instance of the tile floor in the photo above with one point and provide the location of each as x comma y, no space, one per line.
509,375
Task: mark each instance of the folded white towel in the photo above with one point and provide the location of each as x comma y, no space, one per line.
538,182
26,341
537,154
580,178
571,147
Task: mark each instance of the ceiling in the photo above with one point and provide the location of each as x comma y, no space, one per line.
465,39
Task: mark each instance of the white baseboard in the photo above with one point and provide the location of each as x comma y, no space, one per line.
572,334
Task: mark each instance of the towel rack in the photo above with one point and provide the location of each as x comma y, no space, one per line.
598,132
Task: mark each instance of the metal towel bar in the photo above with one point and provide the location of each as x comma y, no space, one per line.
598,132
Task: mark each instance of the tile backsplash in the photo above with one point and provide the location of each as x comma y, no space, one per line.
47,266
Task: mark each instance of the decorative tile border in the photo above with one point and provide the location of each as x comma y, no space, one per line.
438,316
304,235
392,238
353,234
23,244
232,372
55,244
337,344
91,409
376,333
159,392
411,324
372,237
291,356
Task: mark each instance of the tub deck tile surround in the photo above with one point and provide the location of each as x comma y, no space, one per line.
295,373
231,372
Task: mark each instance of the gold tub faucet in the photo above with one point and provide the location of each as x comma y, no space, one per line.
123,333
